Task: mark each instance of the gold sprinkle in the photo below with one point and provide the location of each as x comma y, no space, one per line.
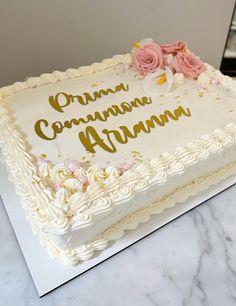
43,155
38,182
137,45
177,97
102,186
138,159
162,79
69,215
94,85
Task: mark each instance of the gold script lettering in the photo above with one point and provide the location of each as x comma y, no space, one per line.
62,99
122,138
85,138
114,110
38,127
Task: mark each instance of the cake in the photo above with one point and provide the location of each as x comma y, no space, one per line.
96,151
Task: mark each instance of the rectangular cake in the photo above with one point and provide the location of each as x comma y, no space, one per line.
98,150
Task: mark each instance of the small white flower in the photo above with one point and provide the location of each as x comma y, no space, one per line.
150,80
142,43
169,78
72,184
169,59
178,78
204,79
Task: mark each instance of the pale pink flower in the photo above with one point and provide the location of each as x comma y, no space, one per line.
174,48
188,64
147,59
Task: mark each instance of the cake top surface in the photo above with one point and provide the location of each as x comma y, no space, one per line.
121,108
89,131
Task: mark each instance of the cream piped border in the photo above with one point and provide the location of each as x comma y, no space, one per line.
57,76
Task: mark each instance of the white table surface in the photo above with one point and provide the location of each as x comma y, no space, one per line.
191,261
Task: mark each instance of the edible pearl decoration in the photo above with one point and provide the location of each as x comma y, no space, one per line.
83,179
72,165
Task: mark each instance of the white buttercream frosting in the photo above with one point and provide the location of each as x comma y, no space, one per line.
178,79
204,79
44,169
73,204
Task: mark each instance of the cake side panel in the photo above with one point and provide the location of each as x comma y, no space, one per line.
213,154
84,252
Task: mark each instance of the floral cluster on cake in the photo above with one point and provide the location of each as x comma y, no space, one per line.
171,62
70,179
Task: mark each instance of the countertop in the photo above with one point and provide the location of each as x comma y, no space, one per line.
191,261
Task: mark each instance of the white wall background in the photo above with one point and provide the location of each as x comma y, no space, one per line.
38,36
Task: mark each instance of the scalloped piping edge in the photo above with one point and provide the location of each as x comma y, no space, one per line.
57,76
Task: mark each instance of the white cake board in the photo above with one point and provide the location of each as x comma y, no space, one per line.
48,273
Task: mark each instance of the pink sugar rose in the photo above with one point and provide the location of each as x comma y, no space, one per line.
188,64
174,48
147,59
